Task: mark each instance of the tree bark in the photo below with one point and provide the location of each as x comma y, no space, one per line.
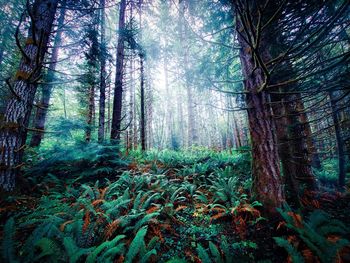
191,129
41,113
339,139
142,121
118,89
90,113
103,75
267,181
13,130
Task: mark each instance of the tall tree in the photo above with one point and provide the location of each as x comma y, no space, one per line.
118,89
183,27
266,170
142,104
90,77
41,112
103,74
13,130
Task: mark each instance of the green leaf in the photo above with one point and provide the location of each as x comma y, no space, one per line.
136,244
8,244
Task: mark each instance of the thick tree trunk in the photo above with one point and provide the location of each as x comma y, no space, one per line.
103,75
13,130
118,89
41,113
267,181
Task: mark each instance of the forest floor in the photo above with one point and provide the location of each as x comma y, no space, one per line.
85,204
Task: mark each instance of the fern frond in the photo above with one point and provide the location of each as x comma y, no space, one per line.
136,244
203,254
145,219
8,243
215,252
295,254
48,248
105,245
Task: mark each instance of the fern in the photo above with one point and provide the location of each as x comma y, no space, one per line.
145,219
203,254
215,252
8,243
107,245
314,233
136,244
110,254
176,260
295,254
49,250
74,253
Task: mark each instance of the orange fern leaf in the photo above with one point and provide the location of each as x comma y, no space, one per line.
298,221
62,227
97,202
111,228
180,207
152,209
87,221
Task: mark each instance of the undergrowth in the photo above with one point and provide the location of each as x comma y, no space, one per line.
92,205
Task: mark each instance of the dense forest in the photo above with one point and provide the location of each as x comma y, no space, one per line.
175,131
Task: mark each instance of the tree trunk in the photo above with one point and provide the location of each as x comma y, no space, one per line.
90,113
118,89
142,122
103,75
13,131
267,181
41,113
191,129
340,143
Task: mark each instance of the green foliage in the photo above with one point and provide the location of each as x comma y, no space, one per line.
292,251
107,250
176,260
76,162
49,250
74,253
226,252
314,232
8,243
136,245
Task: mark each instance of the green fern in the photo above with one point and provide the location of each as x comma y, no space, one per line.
136,244
203,254
49,250
215,252
8,243
176,260
314,233
104,248
295,254
74,253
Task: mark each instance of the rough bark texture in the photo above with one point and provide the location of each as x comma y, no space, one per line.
103,75
293,140
267,181
118,89
41,113
13,130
